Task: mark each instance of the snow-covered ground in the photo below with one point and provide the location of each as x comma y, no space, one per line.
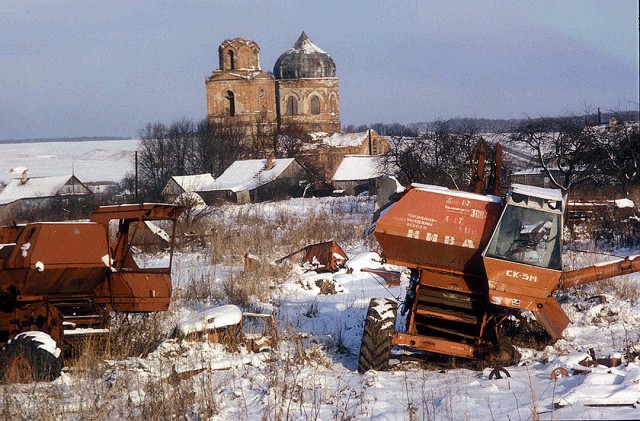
107,160
312,374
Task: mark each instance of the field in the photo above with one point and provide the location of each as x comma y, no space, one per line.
312,372
107,160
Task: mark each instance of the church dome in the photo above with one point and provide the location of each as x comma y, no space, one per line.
304,60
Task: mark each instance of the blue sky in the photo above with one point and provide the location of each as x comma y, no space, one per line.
95,68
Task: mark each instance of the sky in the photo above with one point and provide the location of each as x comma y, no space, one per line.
107,68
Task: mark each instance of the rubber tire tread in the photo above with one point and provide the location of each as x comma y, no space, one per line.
44,365
375,348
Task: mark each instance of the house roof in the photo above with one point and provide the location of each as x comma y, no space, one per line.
359,167
193,182
34,187
343,140
249,174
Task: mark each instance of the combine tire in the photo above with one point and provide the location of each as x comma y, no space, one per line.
30,356
379,328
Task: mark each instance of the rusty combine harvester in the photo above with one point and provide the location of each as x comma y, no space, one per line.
474,260
59,281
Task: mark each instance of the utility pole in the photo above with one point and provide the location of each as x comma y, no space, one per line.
136,177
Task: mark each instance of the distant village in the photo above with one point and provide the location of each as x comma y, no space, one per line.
284,138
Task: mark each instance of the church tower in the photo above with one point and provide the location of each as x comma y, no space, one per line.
307,88
239,91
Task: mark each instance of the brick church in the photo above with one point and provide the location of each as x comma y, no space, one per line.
301,94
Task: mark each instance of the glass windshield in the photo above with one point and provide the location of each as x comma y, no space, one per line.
527,236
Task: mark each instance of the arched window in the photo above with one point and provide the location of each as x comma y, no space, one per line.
292,106
232,103
232,64
315,105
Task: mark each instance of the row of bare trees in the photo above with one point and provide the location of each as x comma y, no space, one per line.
441,156
186,147
569,150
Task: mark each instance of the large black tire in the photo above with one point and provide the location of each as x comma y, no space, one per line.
30,356
379,327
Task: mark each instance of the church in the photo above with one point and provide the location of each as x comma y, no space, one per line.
301,94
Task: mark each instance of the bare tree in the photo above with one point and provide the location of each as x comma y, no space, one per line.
566,149
440,156
621,151
154,157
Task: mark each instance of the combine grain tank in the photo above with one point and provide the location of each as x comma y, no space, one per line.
474,260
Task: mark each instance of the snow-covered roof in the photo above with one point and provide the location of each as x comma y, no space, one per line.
34,187
341,140
249,174
359,167
193,182
534,171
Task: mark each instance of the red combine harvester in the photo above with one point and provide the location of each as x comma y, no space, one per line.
59,281
475,260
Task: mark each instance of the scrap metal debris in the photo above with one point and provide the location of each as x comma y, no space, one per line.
327,256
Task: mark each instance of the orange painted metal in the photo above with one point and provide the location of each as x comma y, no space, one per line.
553,318
327,254
457,299
54,272
518,280
438,228
433,344
599,272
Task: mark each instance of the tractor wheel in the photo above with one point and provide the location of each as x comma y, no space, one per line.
30,356
379,328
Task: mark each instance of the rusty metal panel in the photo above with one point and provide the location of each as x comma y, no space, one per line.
68,245
145,211
600,271
437,345
137,291
553,318
519,279
438,228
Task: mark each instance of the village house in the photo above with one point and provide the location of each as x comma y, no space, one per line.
358,174
180,184
256,180
327,151
29,193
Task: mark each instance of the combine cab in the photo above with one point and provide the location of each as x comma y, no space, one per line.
474,261
59,281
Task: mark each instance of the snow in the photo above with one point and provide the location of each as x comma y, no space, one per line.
85,331
25,248
456,193
209,319
624,203
158,231
312,374
89,161
191,183
33,188
551,194
46,342
344,140
249,174
359,167
39,266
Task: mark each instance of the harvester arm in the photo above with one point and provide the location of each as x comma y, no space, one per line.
599,272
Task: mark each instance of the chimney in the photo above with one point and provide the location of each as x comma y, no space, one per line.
25,176
269,163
